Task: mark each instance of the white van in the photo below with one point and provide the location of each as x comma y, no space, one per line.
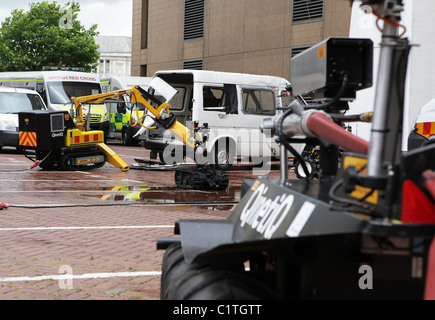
56,89
233,105
122,115
13,101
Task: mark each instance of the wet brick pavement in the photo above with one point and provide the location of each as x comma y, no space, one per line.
99,225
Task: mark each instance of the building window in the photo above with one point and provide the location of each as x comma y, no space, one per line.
101,66
143,70
107,67
307,11
193,64
193,19
120,67
297,50
144,25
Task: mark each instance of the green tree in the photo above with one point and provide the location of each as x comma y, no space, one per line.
47,35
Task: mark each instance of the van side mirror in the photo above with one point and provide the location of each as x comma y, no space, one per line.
288,92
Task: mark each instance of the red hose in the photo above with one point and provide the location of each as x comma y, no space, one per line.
325,128
35,164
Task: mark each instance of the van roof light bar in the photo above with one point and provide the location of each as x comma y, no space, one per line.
62,68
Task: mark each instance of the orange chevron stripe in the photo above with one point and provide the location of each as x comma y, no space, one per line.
426,129
27,139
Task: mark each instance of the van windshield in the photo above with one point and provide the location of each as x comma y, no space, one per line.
61,92
13,102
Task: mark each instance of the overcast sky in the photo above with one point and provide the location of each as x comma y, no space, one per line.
113,17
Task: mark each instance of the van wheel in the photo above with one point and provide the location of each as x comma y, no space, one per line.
223,157
126,138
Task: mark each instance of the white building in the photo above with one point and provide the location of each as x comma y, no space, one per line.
115,55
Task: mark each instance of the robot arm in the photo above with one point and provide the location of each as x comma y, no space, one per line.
160,114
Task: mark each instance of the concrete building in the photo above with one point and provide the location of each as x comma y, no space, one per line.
115,55
249,36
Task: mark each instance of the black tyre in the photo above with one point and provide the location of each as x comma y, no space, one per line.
127,139
183,281
173,265
64,163
220,284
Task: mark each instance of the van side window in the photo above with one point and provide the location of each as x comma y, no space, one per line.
258,101
11,102
36,102
213,99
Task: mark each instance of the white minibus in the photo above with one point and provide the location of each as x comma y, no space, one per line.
232,105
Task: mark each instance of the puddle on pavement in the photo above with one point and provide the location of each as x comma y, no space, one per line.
168,195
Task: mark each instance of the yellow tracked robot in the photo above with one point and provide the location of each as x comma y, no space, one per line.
156,101
59,144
